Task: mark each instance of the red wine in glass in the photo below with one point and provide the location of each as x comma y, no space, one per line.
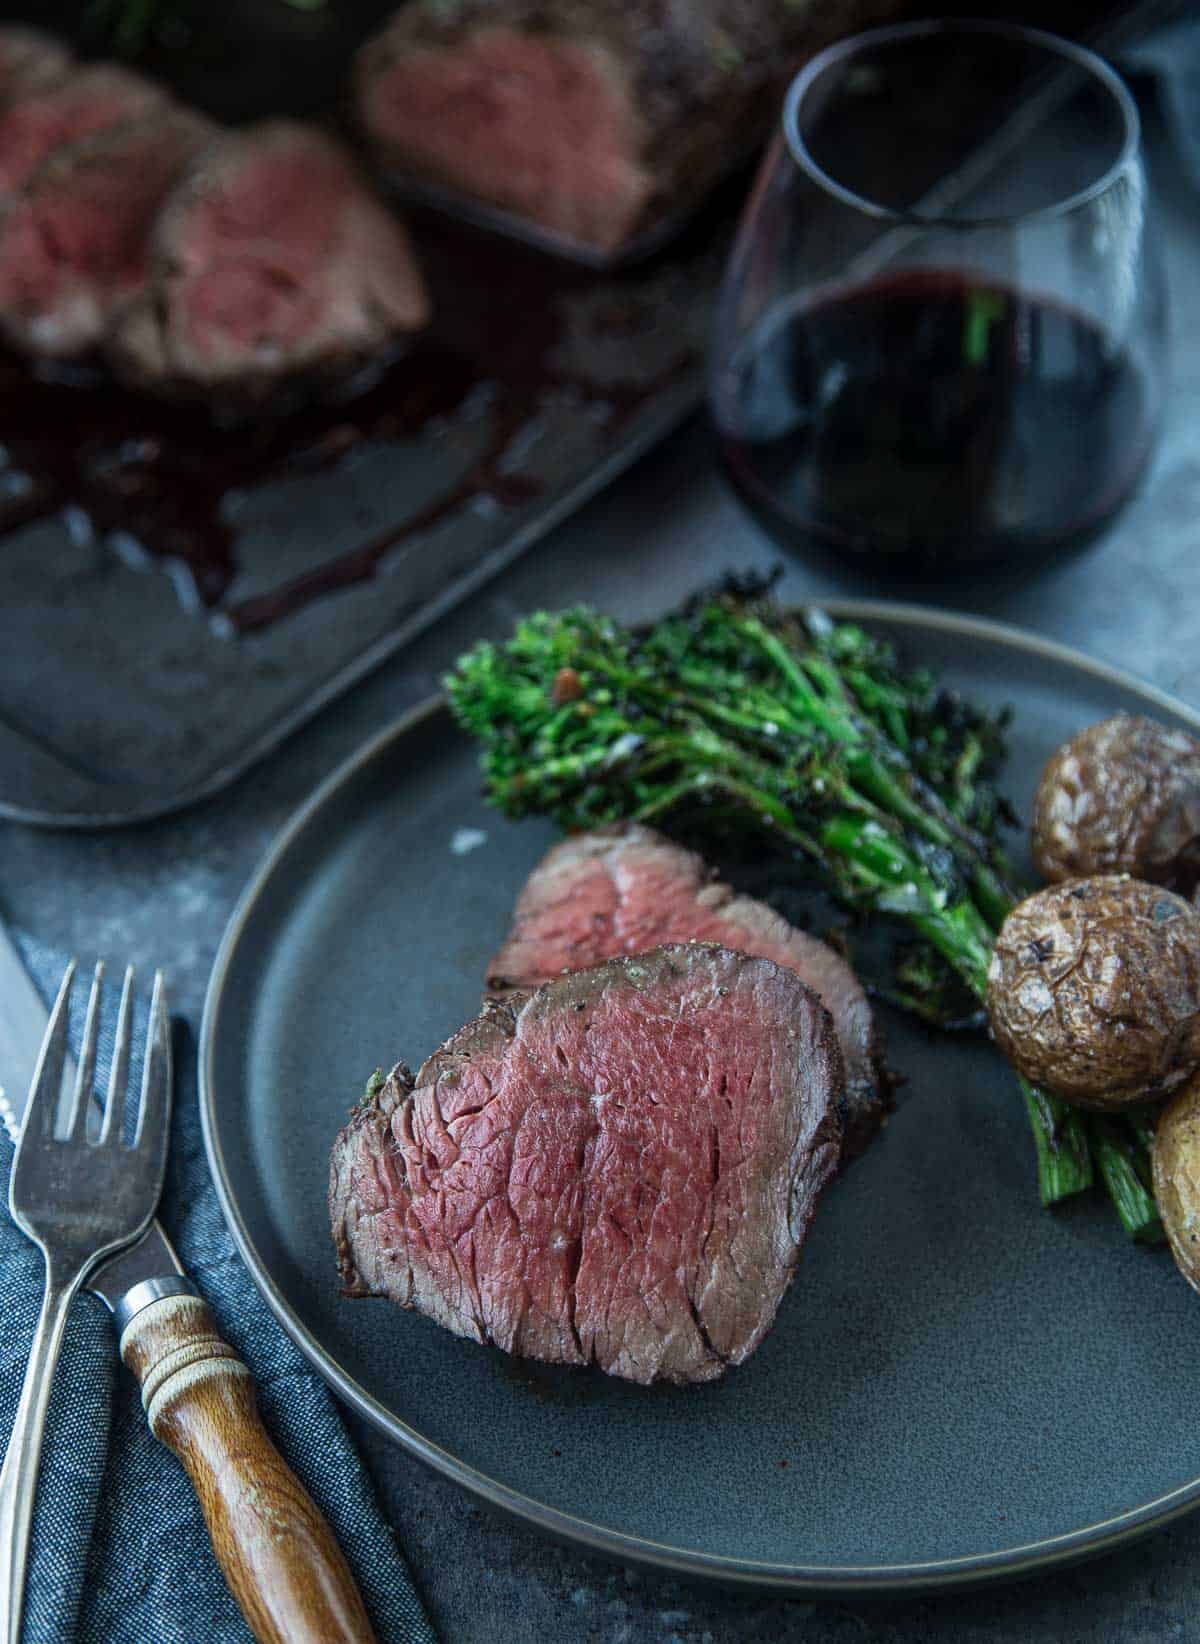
928,418
940,342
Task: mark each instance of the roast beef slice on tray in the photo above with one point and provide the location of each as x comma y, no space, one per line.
272,258
74,242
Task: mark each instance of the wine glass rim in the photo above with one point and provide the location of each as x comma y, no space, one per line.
1055,44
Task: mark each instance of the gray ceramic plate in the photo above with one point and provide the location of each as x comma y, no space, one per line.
958,1386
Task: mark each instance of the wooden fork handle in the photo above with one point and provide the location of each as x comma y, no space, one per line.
275,1549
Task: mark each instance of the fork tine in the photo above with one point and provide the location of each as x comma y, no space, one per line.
118,1078
154,1109
85,1078
47,1080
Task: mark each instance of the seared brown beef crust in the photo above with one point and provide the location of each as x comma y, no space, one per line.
29,59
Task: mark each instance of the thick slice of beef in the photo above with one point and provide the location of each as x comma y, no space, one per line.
588,118
81,103
617,1169
272,258
73,246
624,889
29,59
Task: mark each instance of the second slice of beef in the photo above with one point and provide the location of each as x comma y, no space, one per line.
272,260
624,889
618,1169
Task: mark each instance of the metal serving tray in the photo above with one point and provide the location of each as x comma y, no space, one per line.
191,591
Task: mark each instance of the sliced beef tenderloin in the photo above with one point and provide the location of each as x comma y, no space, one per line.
73,246
82,103
588,118
617,1169
623,890
29,59
273,258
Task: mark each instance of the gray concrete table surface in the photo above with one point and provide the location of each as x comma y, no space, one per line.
162,893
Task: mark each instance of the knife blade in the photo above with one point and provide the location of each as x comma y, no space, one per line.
143,1272
23,1019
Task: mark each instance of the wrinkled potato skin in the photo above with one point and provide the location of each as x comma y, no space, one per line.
1177,1178
1094,990
1121,797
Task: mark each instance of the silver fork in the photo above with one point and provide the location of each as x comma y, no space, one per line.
79,1199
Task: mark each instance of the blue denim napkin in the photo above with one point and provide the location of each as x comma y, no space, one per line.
120,1554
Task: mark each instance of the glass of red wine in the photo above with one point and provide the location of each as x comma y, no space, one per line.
941,338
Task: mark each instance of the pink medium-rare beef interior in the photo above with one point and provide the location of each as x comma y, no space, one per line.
84,102
252,248
618,1169
622,890
539,125
73,247
273,256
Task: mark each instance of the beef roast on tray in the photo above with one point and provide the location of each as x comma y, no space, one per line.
624,889
591,122
617,1169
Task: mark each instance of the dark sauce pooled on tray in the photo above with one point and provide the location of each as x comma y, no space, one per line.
158,473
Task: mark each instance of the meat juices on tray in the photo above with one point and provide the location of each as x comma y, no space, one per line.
618,1169
624,889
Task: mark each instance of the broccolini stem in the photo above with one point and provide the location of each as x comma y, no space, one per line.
895,793
1064,1156
884,862
1141,1122
875,766
1117,1153
770,810
960,934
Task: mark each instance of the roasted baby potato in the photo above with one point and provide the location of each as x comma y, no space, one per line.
1177,1177
1094,990
1121,797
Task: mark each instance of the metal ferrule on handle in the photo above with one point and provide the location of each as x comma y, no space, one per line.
149,1290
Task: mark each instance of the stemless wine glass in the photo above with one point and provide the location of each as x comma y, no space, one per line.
941,338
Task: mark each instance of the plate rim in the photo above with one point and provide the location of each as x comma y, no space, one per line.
800,1579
